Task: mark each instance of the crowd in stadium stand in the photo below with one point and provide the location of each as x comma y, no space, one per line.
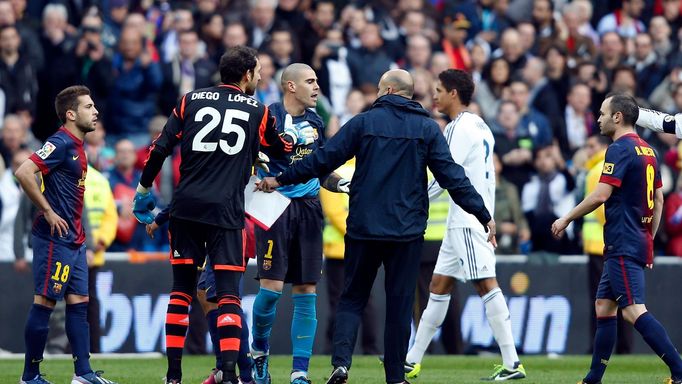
541,70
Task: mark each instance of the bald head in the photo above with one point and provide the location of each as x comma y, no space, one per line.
396,82
294,72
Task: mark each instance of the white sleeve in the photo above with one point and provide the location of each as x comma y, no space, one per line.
660,122
434,190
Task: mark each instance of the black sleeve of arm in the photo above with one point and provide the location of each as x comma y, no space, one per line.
269,137
163,145
451,176
339,149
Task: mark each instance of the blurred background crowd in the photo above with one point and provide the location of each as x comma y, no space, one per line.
541,69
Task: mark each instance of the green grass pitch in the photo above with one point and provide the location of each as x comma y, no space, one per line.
641,369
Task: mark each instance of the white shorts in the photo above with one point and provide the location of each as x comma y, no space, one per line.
466,255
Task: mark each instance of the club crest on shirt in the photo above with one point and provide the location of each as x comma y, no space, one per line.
46,150
267,264
57,288
608,168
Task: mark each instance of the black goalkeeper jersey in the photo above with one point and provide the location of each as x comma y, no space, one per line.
219,130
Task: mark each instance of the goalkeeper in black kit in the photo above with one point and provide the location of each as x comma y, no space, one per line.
219,130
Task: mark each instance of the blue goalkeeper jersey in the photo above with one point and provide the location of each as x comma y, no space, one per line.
279,163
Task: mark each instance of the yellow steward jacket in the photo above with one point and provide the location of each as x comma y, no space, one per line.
593,224
335,209
101,210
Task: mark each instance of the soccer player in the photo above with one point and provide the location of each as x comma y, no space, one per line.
660,122
630,189
219,130
291,250
60,268
466,253
206,295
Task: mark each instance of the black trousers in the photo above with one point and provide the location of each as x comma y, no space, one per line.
451,330
333,273
595,268
401,266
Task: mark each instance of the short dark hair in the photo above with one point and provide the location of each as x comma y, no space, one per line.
236,62
459,80
625,104
67,100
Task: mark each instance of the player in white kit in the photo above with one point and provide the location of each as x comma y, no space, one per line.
466,254
660,121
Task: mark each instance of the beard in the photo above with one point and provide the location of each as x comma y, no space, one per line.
85,126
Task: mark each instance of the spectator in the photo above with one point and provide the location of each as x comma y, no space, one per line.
624,21
29,45
671,13
14,139
118,11
139,22
58,47
439,63
660,32
528,37
542,97
331,66
558,74
282,47
578,122
123,179
234,34
667,96
416,22
136,81
212,28
186,72
512,231
355,104
650,69
579,46
532,121
480,54
546,197
263,18
320,20
512,50
17,75
493,88
100,155
454,41
368,62
585,13
268,91
168,177
418,53
611,52
545,26
94,62
168,41
513,146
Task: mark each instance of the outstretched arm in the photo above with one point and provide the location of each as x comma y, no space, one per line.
660,122
591,202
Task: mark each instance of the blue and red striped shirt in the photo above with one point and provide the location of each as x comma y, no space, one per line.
631,168
63,166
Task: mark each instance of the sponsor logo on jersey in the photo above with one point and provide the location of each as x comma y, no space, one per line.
46,150
608,168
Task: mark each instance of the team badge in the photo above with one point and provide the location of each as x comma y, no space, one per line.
57,288
267,264
608,168
46,150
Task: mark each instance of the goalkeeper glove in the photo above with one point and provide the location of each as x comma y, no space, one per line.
143,204
301,133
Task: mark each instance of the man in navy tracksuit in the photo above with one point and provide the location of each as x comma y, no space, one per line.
393,142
